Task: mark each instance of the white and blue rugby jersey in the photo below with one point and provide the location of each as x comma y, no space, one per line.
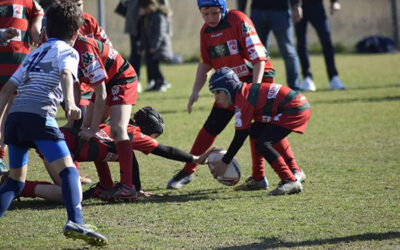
38,78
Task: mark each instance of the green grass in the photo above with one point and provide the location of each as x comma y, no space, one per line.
350,153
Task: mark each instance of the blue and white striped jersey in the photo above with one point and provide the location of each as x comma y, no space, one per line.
38,78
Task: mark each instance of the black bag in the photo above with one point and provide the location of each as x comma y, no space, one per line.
121,9
376,44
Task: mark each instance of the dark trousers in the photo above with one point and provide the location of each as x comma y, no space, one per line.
153,69
135,57
315,14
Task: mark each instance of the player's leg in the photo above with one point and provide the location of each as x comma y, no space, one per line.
119,116
270,135
105,181
58,156
3,146
215,123
284,149
14,184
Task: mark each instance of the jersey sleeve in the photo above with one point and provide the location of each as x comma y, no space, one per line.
254,50
243,113
69,60
16,78
142,142
91,65
36,10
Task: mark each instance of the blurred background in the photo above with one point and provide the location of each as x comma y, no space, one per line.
356,20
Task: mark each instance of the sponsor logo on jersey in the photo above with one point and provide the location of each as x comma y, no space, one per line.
111,157
256,52
241,70
87,58
103,136
266,118
238,117
273,90
18,10
217,35
252,40
115,90
112,53
246,29
233,47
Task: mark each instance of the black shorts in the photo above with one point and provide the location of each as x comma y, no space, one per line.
22,129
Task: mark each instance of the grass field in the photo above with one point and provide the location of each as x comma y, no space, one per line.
350,153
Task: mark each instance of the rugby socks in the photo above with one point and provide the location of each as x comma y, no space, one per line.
283,148
8,191
258,167
2,153
103,171
71,194
29,188
203,141
124,151
282,169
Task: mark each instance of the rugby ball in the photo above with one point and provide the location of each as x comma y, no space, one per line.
232,173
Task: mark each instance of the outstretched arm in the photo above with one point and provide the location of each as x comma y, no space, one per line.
179,155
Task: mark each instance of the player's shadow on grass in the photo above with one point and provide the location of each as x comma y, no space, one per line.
269,243
172,197
34,204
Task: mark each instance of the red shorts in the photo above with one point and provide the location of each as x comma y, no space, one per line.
295,122
121,94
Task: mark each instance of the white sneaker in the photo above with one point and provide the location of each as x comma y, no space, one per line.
150,85
287,187
300,175
139,87
335,83
308,84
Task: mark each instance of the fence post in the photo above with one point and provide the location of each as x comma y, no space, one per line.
395,17
101,14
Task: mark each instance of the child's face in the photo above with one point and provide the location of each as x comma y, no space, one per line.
211,15
222,98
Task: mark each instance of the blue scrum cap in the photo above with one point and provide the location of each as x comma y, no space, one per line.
225,79
214,3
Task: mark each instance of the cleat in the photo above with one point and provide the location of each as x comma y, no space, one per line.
287,187
251,184
308,84
336,84
93,192
75,231
180,179
3,168
119,192
300,175
84,180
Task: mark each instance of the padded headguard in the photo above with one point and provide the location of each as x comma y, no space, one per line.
225,79
214,3
149,121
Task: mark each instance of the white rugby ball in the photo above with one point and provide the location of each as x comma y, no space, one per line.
232,173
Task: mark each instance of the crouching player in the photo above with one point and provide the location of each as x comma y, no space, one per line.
147,124
44,79
276,111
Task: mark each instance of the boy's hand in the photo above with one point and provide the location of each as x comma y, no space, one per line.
202,159
10,33
87,133
73,112
219,168
192,99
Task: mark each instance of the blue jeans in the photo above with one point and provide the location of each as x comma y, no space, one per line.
280,22
315,14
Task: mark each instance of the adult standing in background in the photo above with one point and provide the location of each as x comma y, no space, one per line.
314,12
25,16
131,28
276,16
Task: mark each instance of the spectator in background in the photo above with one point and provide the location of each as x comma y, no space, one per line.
314,12
131,27
276,16
25,16
155,41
